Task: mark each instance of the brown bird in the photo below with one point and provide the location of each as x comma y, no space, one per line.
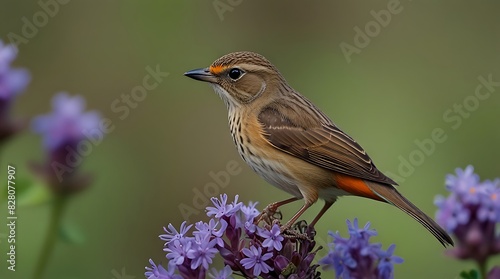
294,146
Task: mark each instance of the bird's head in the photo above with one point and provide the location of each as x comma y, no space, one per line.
240,78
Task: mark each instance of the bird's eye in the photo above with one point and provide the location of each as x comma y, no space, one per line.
235,73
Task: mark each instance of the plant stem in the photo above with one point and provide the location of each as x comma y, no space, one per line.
48,246
482,269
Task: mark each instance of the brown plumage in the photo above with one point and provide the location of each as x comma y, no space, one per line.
289,142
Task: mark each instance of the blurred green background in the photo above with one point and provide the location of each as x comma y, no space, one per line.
393,92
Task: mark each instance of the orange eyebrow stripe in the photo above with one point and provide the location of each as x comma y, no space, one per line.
217,69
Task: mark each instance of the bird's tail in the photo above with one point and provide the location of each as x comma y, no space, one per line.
392,196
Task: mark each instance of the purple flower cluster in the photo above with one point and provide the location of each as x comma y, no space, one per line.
471,213
64,132
12,83
356,257
67,124
246,249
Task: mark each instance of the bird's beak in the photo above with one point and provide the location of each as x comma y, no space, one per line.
201,74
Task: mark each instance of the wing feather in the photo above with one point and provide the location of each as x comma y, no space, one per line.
325,146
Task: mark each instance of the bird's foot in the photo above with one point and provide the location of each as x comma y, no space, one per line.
286,228
299,231
293,234
270,214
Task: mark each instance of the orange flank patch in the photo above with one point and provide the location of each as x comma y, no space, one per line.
217,69
355,186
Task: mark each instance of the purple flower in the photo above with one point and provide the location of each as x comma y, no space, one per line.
272,238
387,261
158,272
202,253
12,81
250,211
356,257
67,123
211,229
225,273
471,212
295,260
173,234
178,249
235,205
355,231
489,208
245,248
250,227
340,257
67,132
451,213
463,180
254,259
222,208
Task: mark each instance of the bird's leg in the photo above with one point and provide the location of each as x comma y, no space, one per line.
296,216
270,210
321,212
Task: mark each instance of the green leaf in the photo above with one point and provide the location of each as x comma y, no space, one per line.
36,194
471,274
28,192
71,234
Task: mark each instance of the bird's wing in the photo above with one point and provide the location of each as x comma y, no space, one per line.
325,146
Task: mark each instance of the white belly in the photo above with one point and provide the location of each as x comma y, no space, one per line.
274,173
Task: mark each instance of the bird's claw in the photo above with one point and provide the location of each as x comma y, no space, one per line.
269,214
293,234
